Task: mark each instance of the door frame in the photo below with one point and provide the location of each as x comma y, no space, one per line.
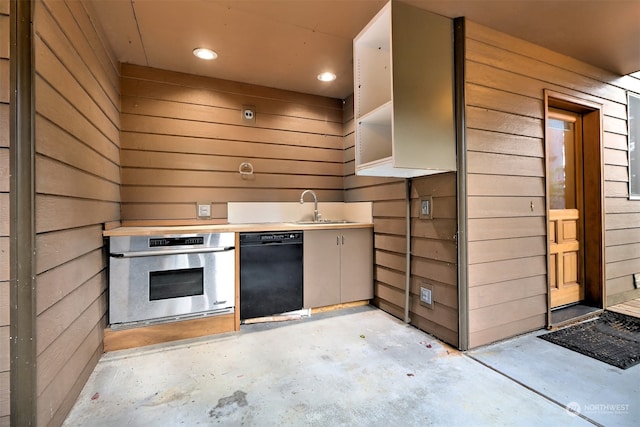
593,194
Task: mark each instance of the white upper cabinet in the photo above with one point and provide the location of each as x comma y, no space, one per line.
403,94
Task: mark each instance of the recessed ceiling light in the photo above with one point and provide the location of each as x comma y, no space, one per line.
326,77
204,53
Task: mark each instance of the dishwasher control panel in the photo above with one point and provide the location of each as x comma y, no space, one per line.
271,237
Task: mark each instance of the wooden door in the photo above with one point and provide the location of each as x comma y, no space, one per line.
565,198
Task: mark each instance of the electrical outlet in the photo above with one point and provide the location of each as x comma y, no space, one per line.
426,296
249,114
636,280
204,210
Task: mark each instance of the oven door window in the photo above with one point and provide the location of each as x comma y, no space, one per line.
169,284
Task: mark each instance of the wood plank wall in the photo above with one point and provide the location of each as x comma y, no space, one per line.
506,179
77,190
4,214
183,140
433,247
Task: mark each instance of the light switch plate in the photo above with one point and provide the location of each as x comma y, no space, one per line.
204,210
426,207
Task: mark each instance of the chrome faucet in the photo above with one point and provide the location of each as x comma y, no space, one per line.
316,215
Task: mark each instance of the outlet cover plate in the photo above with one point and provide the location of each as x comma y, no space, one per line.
249,114
426,295
636,280
204,210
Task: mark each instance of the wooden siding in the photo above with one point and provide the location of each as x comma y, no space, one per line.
183,139
4,214
506,179
77,190
433,246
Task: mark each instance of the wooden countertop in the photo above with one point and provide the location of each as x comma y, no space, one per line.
236,228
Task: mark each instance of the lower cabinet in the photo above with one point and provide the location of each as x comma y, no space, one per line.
338,266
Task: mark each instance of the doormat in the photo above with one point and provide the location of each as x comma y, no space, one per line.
613,338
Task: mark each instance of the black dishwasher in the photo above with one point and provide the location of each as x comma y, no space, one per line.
270,273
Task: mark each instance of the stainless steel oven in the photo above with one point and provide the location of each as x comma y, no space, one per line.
155,279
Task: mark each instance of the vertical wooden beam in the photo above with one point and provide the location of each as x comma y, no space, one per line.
21,220
459,78
551,267
594,208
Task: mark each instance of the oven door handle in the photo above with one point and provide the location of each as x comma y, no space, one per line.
137,254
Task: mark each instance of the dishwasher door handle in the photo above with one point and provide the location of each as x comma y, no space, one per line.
136,254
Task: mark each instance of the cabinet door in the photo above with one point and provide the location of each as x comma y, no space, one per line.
321,268
356,264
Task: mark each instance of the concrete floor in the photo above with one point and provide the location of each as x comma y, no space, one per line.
353,367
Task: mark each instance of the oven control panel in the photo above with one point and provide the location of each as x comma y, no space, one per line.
175,241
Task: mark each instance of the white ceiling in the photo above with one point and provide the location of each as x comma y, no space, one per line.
286,43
